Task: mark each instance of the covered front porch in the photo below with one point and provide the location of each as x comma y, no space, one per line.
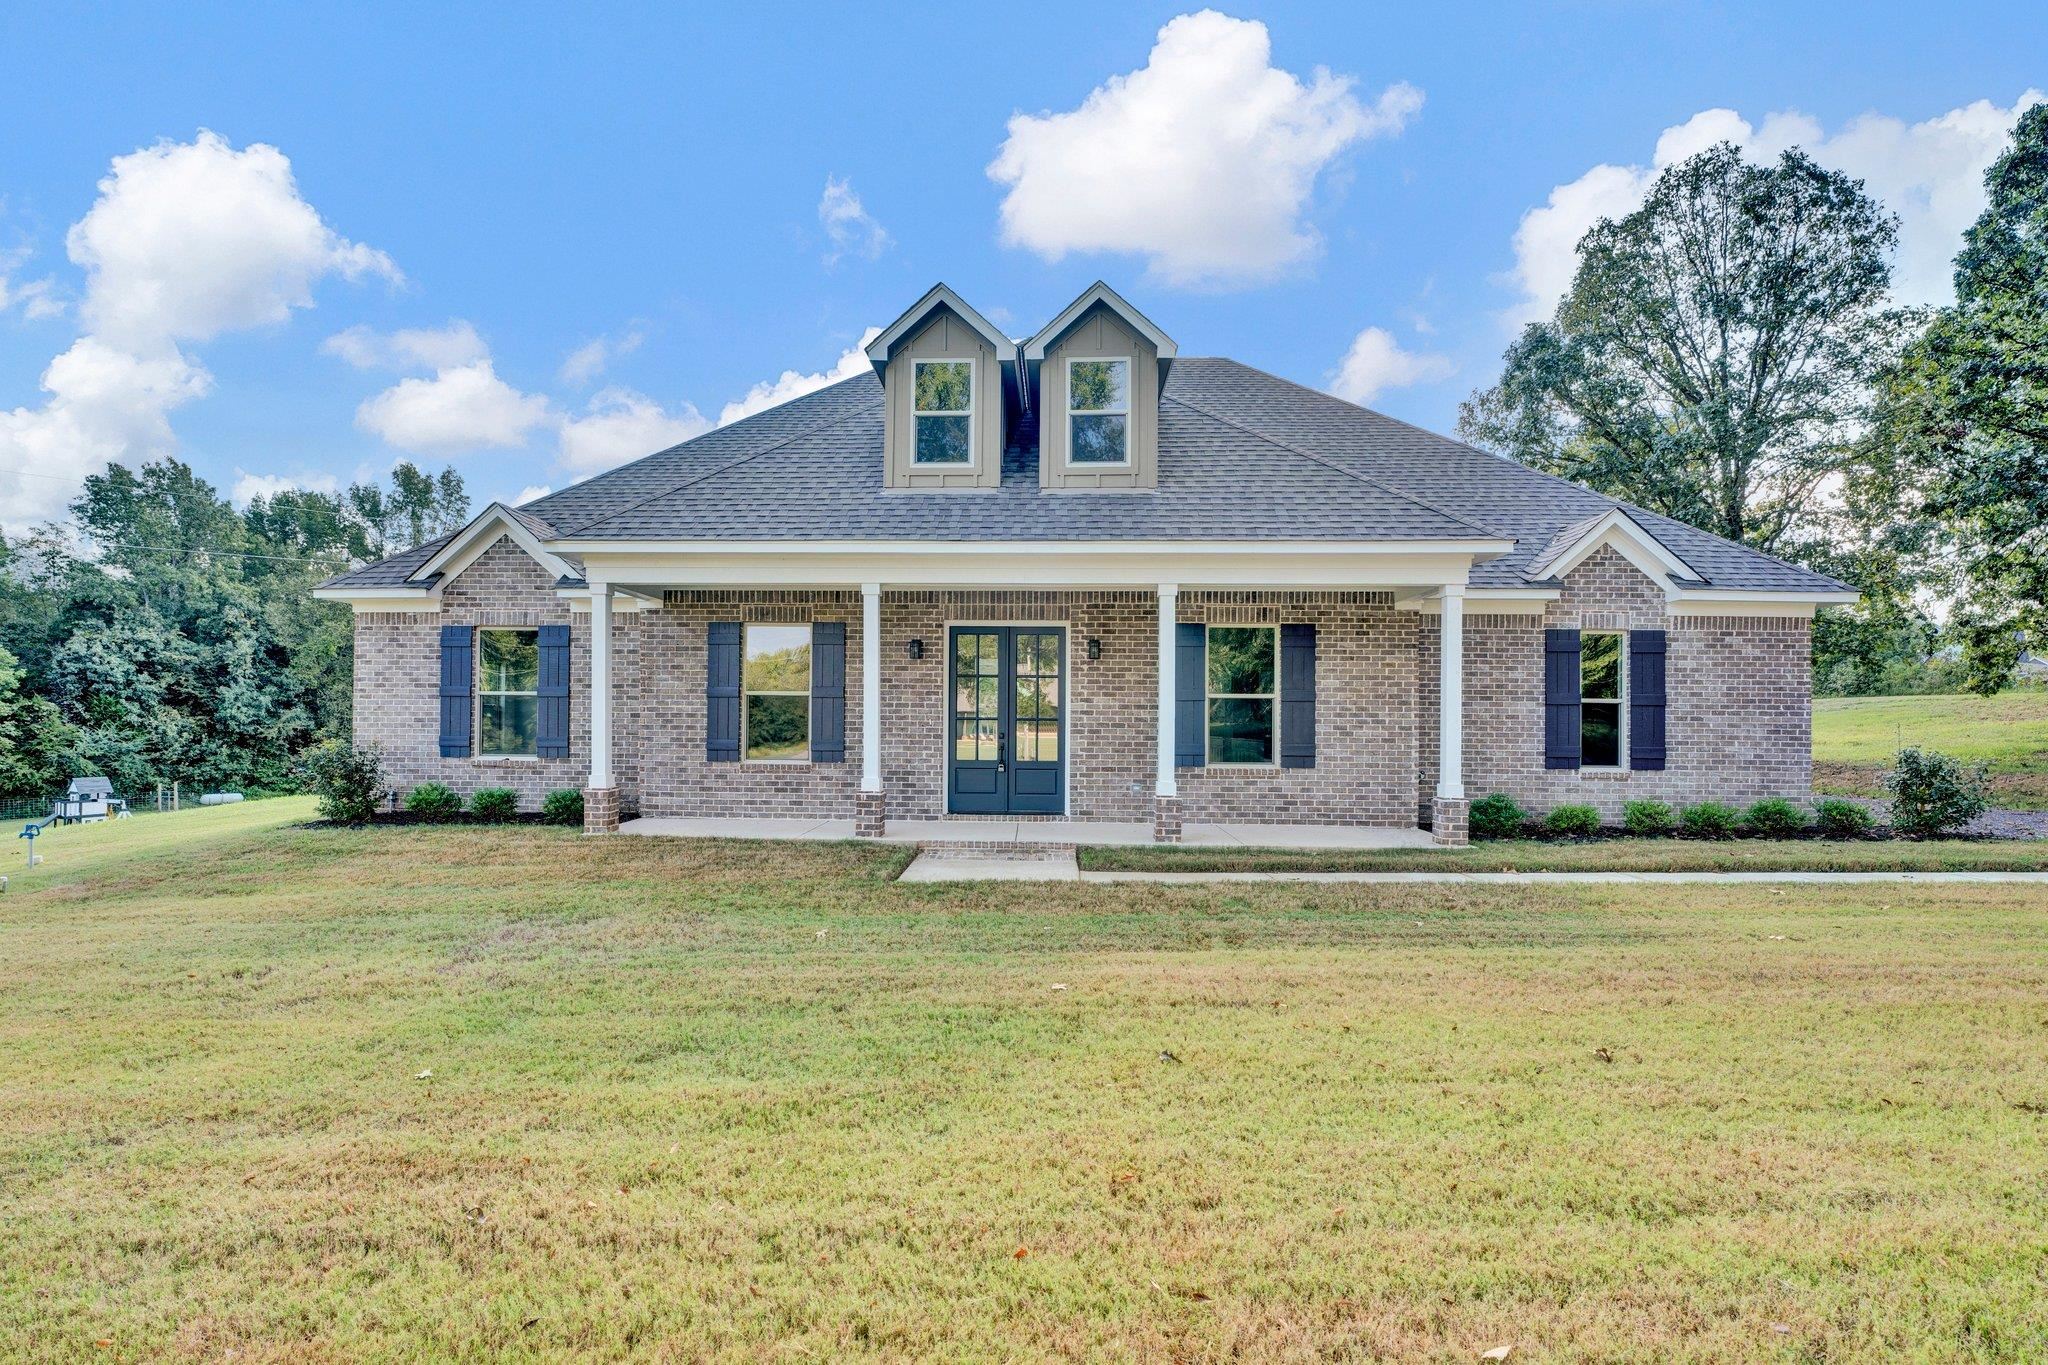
1110,761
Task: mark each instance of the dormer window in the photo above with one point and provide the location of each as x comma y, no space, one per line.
944,409
1099,412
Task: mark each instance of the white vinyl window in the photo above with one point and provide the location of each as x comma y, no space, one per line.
1098,411
508,693
942,401
1243,679
775,690
1602,698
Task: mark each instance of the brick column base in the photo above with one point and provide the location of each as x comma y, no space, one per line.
600,810
1166,819
1450,822
869,811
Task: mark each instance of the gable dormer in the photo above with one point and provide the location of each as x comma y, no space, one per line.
1101,364
941,365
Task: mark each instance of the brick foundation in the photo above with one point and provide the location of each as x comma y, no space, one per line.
1450,822
869,815
1166,819
600,810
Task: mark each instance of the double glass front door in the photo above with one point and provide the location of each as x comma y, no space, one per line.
1006,751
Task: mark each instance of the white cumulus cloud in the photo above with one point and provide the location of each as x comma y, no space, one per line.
462,408
1931,174
533,492
1376,363
794,384
433,348
249,487
584,364
850,228
36,298
1202,161
622,425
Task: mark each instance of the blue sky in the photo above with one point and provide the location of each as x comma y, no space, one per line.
407,223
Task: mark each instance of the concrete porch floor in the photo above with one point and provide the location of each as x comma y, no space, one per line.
1076,832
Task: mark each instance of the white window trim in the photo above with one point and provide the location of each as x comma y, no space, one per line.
973,459
1130,379
1619,701
746,692
481,693
1208,696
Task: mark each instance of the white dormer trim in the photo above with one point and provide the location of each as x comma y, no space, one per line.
878,350
1623,534
1098,292
472,540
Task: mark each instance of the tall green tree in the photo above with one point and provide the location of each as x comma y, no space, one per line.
1712,361
1965,414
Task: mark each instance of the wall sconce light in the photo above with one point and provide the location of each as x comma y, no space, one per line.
915,649
1094,648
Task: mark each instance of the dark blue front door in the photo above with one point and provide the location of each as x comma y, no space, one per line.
1006,747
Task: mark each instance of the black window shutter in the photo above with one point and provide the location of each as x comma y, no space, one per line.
554,692
458,689
722,693
828,692
1297,696
1646,700
1190,693
1560,699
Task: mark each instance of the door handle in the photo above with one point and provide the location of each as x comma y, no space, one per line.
1002,751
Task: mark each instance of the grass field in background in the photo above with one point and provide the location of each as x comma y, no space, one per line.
1854,739
289,1094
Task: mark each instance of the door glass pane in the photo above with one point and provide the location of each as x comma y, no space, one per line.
1241,730
1038,742
964,655
987,698
986,645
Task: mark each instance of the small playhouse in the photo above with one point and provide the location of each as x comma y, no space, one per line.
88,799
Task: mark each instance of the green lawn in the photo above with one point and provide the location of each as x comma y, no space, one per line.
1854,739
752,1101
1607,855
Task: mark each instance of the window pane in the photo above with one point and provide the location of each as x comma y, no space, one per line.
1600,734
986,698
1038,742
1241,731
778,659
1100,440
974,740
778,727
1600,666
942,440
1099,386
1240,659
945,385
511,660
986,659
510,725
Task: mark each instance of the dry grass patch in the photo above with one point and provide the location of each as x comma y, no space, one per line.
758,1101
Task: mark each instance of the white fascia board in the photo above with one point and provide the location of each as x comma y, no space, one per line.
1483,548
477,537
1490,601
1624,534
878,350
1735,602
1098,292
382,599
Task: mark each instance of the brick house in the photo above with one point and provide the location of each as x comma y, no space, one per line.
1080,576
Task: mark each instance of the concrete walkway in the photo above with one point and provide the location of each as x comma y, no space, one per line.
1080,833
1064,869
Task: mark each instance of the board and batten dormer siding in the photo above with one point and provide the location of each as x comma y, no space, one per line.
1099,334
944,337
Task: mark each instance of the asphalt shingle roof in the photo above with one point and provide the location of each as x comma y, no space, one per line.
1243,455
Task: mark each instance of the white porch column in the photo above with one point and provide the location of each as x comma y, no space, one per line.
1450,743
600,796
871,687
1169,599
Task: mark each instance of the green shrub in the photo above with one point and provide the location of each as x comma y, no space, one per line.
1933,793
496,804
1573,822
1709,820
1496,817
1646,819
564,807
433,801
349,780
1840,819
1773,818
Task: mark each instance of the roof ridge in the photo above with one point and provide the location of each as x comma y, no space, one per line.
730,465
1327,463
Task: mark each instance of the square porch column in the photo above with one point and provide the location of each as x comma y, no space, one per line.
600,794
870,806
1450,812
1166,823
